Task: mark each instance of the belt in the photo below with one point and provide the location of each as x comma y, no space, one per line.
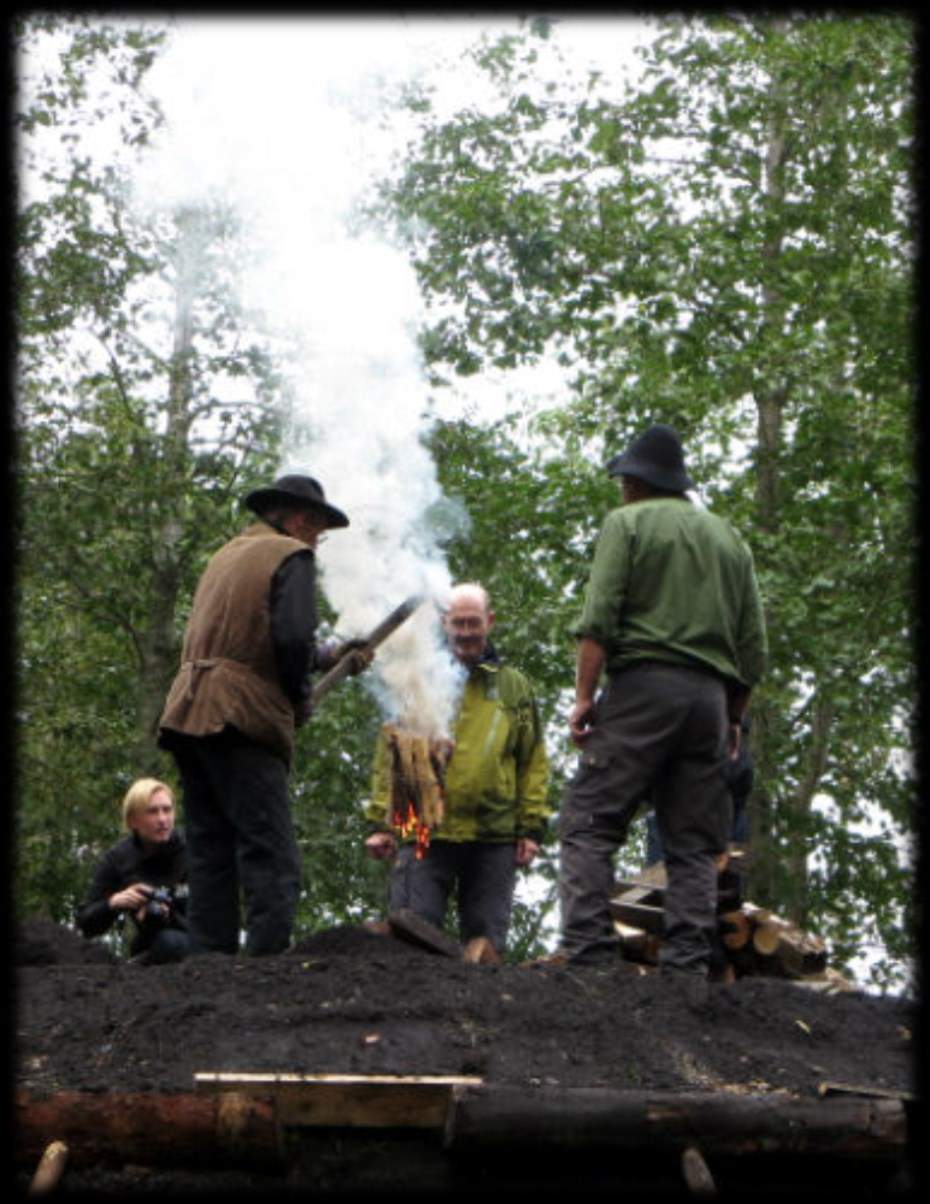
655,663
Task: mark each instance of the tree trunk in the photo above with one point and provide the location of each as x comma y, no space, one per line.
232,1129
159,642
822,711
152,1130
771,395
638,1120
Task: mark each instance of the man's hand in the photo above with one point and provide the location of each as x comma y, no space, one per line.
130,898
381,845
361,655
580,720
734,740
526,850
590,661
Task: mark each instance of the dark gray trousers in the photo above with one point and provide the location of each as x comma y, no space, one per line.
170,945
660,732
483,874
237,820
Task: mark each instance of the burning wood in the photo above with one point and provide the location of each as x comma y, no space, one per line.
417,783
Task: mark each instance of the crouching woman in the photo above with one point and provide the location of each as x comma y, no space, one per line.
144,876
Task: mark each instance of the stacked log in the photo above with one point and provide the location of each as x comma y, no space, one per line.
753,940
759,942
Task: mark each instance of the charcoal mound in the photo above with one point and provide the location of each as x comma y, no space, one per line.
42,942
359,1000
352,1000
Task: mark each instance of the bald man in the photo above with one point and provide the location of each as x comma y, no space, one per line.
496,790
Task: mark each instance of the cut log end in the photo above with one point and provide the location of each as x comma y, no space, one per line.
479,951
50,1169
736,929
696,1173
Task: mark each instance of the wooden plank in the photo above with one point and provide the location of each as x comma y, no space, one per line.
639,892
407,925
638,915
371,1106
264,1082
829,981
349,1101
831,1088
653,895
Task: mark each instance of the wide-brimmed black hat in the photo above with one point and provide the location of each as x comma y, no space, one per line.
296,490
656,457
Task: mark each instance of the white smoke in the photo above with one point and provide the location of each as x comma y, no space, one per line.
282,118
362,394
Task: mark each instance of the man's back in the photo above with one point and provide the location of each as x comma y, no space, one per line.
676,583
228,675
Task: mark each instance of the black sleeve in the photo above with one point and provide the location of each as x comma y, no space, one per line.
96,916
293,624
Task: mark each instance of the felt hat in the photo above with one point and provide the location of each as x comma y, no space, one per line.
656,457
296,490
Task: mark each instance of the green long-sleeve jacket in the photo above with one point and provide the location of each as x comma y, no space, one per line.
675,583
497,777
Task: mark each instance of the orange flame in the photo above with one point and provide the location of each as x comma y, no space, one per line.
406,823
423,835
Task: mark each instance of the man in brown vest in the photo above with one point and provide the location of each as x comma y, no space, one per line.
243,686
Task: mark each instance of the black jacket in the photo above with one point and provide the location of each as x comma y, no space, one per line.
122,865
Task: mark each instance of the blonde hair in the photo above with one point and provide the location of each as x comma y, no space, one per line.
139,795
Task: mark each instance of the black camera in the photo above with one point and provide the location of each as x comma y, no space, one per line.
158,907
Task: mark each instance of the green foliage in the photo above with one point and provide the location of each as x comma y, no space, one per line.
727,246
130,465
331,781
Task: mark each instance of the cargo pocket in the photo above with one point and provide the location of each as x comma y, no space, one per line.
594,759
593,764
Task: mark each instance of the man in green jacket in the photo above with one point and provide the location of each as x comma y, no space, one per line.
495,790
673,615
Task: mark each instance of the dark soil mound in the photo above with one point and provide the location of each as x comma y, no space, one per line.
351,1001
44,943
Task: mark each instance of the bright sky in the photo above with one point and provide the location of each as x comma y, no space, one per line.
288,117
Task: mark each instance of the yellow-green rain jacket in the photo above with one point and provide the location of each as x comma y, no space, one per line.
497,776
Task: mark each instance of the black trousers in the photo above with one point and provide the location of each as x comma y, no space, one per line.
482,873
660,732
240,835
